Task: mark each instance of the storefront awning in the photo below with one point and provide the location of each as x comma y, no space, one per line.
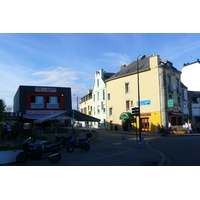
55,116
176,113
70,114
125,115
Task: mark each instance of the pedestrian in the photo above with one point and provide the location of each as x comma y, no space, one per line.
190,128
162,130
158,128
186,126
169,127
8,130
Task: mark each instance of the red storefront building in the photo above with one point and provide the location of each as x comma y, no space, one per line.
35,102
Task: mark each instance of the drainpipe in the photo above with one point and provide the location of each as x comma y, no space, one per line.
163,94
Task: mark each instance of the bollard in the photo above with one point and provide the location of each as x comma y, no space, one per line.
123,137
141,144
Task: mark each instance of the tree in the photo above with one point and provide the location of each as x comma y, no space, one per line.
2,108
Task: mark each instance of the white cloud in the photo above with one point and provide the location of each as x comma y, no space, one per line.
118,59
13,76
58,76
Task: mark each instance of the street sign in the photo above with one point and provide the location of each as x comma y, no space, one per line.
135,111
170,103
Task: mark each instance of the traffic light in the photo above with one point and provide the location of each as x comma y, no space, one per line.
135,111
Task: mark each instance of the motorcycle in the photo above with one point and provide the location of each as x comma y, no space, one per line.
63,140
82,143
38,151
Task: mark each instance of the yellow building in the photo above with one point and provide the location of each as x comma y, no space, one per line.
159,91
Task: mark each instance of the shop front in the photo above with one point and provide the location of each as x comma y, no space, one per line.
126,118
176,118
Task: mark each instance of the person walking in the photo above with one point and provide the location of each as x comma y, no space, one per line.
190,128
169,127
158,128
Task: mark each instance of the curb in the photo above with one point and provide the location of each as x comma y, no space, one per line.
164,158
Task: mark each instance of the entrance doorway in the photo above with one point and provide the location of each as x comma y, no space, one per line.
145,124
111,125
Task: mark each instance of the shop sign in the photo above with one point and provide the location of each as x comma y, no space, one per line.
145,114
42,111
170,103
12,114
45,89
144,103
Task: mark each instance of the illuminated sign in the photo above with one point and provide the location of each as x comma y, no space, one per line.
45,89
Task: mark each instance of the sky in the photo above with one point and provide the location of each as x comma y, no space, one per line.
71,59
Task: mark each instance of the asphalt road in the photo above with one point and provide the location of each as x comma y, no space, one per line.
183,150
109,150
112,150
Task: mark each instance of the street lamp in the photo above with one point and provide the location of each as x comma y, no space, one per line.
141,57
76,101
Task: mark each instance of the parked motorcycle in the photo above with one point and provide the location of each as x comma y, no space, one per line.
63,140
82,143
38,151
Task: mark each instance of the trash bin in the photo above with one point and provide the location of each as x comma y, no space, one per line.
123,137
142,138
141,144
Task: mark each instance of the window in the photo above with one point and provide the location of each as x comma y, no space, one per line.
98,109
97,82
103,94
94,97
53,102
37,102
110,111
127,105
126,88
97,95
27,125
177,83
108,96
169,79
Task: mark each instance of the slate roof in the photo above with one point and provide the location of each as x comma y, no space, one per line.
107,75
132,68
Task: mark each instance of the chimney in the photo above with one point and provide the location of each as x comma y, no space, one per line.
122,67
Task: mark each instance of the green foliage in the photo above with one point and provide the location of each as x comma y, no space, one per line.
2,109
9,146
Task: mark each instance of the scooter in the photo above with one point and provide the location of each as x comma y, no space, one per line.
82,143
63,140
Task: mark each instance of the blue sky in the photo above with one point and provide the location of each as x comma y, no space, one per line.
71,59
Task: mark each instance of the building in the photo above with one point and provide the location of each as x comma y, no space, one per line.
99,97
185,102
35,102
191,70
194,97
160,94
86,105
94,103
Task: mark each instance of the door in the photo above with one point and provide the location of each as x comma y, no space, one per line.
145,124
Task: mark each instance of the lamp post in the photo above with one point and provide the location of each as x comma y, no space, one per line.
76,102
141,57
